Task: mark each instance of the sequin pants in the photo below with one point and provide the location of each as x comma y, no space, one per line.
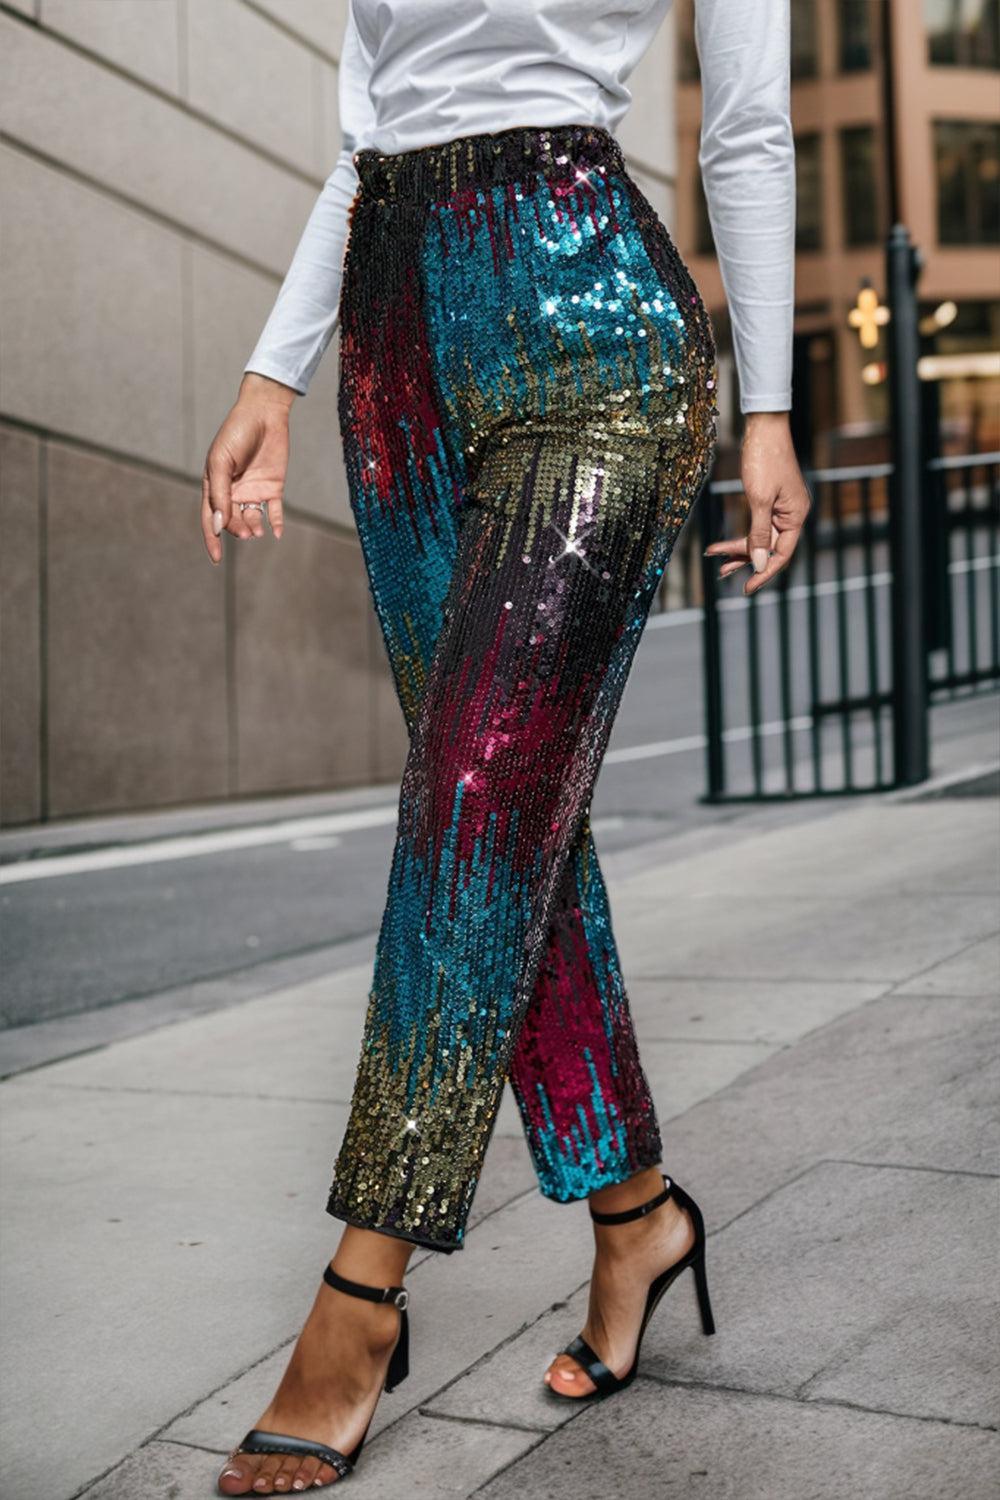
527,404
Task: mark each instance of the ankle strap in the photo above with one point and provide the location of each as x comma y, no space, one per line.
628,1214
397,1295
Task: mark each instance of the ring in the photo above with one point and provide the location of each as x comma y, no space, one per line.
254,505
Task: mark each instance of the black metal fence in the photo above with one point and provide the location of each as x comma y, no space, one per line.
799,691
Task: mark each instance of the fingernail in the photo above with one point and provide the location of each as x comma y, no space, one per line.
217,522
759,557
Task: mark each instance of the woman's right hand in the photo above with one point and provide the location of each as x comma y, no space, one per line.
247,461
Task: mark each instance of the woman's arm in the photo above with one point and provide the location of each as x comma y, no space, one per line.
747,160
248,458
304,316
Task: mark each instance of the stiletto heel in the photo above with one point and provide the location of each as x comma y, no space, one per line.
701,1285
258,1441
606,1382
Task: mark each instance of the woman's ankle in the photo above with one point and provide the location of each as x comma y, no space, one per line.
617,1197
374,1259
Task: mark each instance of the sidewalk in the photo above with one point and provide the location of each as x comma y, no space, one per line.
817,1007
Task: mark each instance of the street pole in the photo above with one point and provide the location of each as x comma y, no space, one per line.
911,750
888,81
711,514
910,730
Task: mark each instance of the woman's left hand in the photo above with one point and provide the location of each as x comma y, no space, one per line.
778,499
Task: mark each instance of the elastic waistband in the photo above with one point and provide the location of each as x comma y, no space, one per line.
434,173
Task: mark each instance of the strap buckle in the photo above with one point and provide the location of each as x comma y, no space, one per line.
401,1299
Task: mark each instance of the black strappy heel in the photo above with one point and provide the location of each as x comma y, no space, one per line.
258,1441
606,1382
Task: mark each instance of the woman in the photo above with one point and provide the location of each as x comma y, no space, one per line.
527,404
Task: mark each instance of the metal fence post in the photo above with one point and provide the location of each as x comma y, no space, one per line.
911,757
715,765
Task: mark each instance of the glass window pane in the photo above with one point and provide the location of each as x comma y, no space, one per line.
963,33
859,168
805,47
854,28
967,156
808,193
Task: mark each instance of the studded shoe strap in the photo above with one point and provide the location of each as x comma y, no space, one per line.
628,1214
257,1441
397,1295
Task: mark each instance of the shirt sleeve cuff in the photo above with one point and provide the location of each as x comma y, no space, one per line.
780,402
275,371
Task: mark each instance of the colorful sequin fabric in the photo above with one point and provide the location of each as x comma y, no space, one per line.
527,403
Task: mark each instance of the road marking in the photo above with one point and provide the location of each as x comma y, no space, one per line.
295,830
699,741
197,845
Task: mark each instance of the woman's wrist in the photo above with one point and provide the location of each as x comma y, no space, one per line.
256,387
772,429
766,418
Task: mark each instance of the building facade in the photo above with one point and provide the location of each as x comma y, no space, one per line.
943,67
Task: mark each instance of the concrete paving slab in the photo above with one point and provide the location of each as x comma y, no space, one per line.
866,1284
507,1385
974,971
951,1090
909,849
167,1469
310,1036
298,1043
428,1456
683,1073
888,937
139,1259
742,1010
421,1456
903,1080
709,1445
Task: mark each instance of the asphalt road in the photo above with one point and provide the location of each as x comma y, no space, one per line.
128,922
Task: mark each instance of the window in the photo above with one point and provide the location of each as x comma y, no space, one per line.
967,155
854,29
963,33
808,193
859,185
805,51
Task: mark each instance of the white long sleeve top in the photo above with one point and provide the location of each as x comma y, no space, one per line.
420,72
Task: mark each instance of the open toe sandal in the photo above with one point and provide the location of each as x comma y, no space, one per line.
258,1441
606,1382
